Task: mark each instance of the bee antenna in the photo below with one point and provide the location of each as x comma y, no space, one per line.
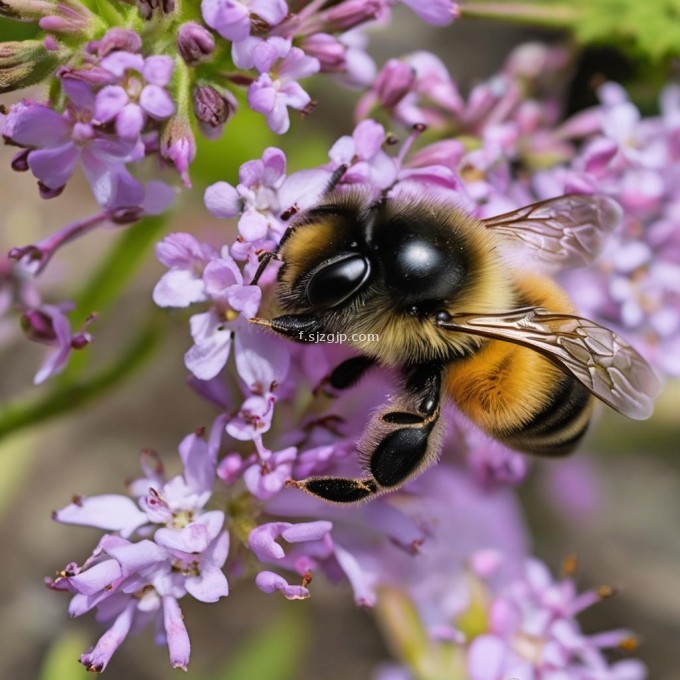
337,175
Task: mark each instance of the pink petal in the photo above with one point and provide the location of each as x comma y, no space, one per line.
156,102
109,103
157,70
176,632
222,200
110,512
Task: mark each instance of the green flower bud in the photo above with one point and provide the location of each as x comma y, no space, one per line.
24,63
26,10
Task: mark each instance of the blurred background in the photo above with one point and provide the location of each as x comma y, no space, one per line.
624,527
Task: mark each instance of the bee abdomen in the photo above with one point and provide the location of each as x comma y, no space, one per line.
557,427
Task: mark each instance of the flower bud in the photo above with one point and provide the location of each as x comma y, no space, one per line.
194,42
118,39
394,82
38,326
26,10
179,146
213,109
148,7
24,63
351,13
328,50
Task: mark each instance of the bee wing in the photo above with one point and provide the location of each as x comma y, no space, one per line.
605,363
560,233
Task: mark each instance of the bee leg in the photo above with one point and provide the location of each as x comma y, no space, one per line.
398,443
404,450
349,372
345,375
295,327
337,489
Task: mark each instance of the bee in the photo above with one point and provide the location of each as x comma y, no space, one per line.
459,320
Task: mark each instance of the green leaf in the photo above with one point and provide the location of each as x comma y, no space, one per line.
274,653
61,661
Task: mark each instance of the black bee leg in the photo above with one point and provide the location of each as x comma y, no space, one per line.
349,372
295,327
337,489
398,443
407,438
345,375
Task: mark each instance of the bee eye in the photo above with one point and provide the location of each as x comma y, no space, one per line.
335,282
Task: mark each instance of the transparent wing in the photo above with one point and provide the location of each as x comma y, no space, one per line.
560,233
605,363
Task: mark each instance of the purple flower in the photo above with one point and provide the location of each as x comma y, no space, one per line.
280,66
437,12
263,194
138,94
186,258
232,18
141,582
533,633
417,89
262,541
49,325
212,330
363,154
57,142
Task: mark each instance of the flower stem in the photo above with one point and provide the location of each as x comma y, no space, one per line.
553,16
21,414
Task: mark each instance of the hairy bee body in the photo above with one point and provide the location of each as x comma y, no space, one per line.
459,321
516,395
389,306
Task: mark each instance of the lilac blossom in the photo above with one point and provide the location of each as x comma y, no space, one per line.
57,142
182,551
264,193
49,325
197,274
232,18
530,630
280,66
533,632
138,92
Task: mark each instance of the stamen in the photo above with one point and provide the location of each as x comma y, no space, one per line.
570,565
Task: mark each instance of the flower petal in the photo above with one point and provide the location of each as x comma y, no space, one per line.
156,102
110,512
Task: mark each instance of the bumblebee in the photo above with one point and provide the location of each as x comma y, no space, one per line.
459,320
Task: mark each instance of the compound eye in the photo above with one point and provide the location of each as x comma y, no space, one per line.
336,281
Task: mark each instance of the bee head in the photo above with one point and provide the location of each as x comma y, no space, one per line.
360,267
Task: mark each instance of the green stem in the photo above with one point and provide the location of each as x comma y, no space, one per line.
552,16
120,264
20,414
108,280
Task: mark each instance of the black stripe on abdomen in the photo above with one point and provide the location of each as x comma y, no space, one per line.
559,425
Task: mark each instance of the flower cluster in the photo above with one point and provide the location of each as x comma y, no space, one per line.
181,550
522,627
135,85
257,443
137,82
